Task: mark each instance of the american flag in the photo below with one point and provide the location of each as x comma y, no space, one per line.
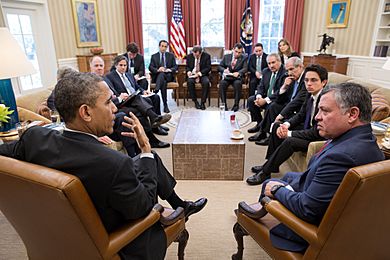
177,35
246,27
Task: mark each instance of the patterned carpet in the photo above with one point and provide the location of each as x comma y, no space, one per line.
243,116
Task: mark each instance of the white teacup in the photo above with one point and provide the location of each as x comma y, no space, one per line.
236,133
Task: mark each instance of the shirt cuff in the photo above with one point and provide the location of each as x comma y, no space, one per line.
268,100
287,124
282,90
258,96
120,99
147,155
289,133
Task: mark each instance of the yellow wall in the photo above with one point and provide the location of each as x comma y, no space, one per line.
112,28
355,39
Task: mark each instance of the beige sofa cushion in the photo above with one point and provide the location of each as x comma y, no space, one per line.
380,106
33,100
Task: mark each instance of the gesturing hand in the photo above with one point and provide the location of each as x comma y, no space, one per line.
137,133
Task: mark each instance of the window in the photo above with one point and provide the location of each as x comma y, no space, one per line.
212,23
271,24
154,27
20,27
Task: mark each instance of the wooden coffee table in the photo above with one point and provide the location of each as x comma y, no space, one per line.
203,150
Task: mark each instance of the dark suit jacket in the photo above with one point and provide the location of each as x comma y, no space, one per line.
139,64
252,63
299,118
170,63
204,63
262,88
240,67
296,103
116,84
316,187
118,191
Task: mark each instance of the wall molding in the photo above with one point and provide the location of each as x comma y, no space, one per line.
365,68
70,62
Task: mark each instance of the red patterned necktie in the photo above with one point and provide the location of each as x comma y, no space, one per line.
234,63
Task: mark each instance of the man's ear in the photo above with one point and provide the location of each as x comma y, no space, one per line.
354,113
84,113
324,82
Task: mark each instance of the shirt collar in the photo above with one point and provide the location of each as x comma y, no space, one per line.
80,132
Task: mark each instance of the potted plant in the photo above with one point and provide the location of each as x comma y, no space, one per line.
4,114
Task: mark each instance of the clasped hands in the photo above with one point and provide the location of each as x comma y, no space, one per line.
282,131
234,74
163,69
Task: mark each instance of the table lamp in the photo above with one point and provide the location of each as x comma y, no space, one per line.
14,63
386,66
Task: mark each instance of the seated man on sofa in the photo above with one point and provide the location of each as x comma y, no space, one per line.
297,132
120,187
344,119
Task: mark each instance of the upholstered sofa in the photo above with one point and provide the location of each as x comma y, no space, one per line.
381,112
29,104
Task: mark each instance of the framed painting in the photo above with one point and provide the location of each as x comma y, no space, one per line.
86,23
338,13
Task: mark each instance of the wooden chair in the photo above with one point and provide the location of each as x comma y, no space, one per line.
54,216
356,224
198,87
170,85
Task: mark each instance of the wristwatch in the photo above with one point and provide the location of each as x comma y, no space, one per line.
275,188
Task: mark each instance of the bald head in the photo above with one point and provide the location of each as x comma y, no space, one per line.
97,65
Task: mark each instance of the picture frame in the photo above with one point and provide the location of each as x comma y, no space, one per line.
338,13
86,23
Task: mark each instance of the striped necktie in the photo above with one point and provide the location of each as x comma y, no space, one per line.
258,64
309,108
128,85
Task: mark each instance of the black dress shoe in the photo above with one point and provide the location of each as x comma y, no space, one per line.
235,108
166,109
258,178
160,144
254,129
202,106
257,137
197,105
193,207
257,168
264,141
160,120
159,131
164,128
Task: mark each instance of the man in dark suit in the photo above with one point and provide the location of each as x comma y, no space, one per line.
292,91
233,68
136,65
296,133
256,63
198,67
163,68
344,119
122,189
267,91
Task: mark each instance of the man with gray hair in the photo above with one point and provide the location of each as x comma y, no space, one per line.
344,118
121,188
267,92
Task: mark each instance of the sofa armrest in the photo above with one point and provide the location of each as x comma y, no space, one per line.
313,148
25,114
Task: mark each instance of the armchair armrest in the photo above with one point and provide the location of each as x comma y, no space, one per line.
127,233
313,148
25,114
306,230
170,216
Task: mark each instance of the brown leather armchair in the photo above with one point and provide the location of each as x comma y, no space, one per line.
54,216
356,224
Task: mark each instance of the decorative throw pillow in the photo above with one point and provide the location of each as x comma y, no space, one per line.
380,106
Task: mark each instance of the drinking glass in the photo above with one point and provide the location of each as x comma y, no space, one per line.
222,110
387,134
21,127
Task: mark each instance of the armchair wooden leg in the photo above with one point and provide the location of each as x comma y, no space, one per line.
177,96
239,234
182,240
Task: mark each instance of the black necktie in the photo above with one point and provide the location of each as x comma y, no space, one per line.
131,63
309,107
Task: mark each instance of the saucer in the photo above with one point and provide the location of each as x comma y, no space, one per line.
237,137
